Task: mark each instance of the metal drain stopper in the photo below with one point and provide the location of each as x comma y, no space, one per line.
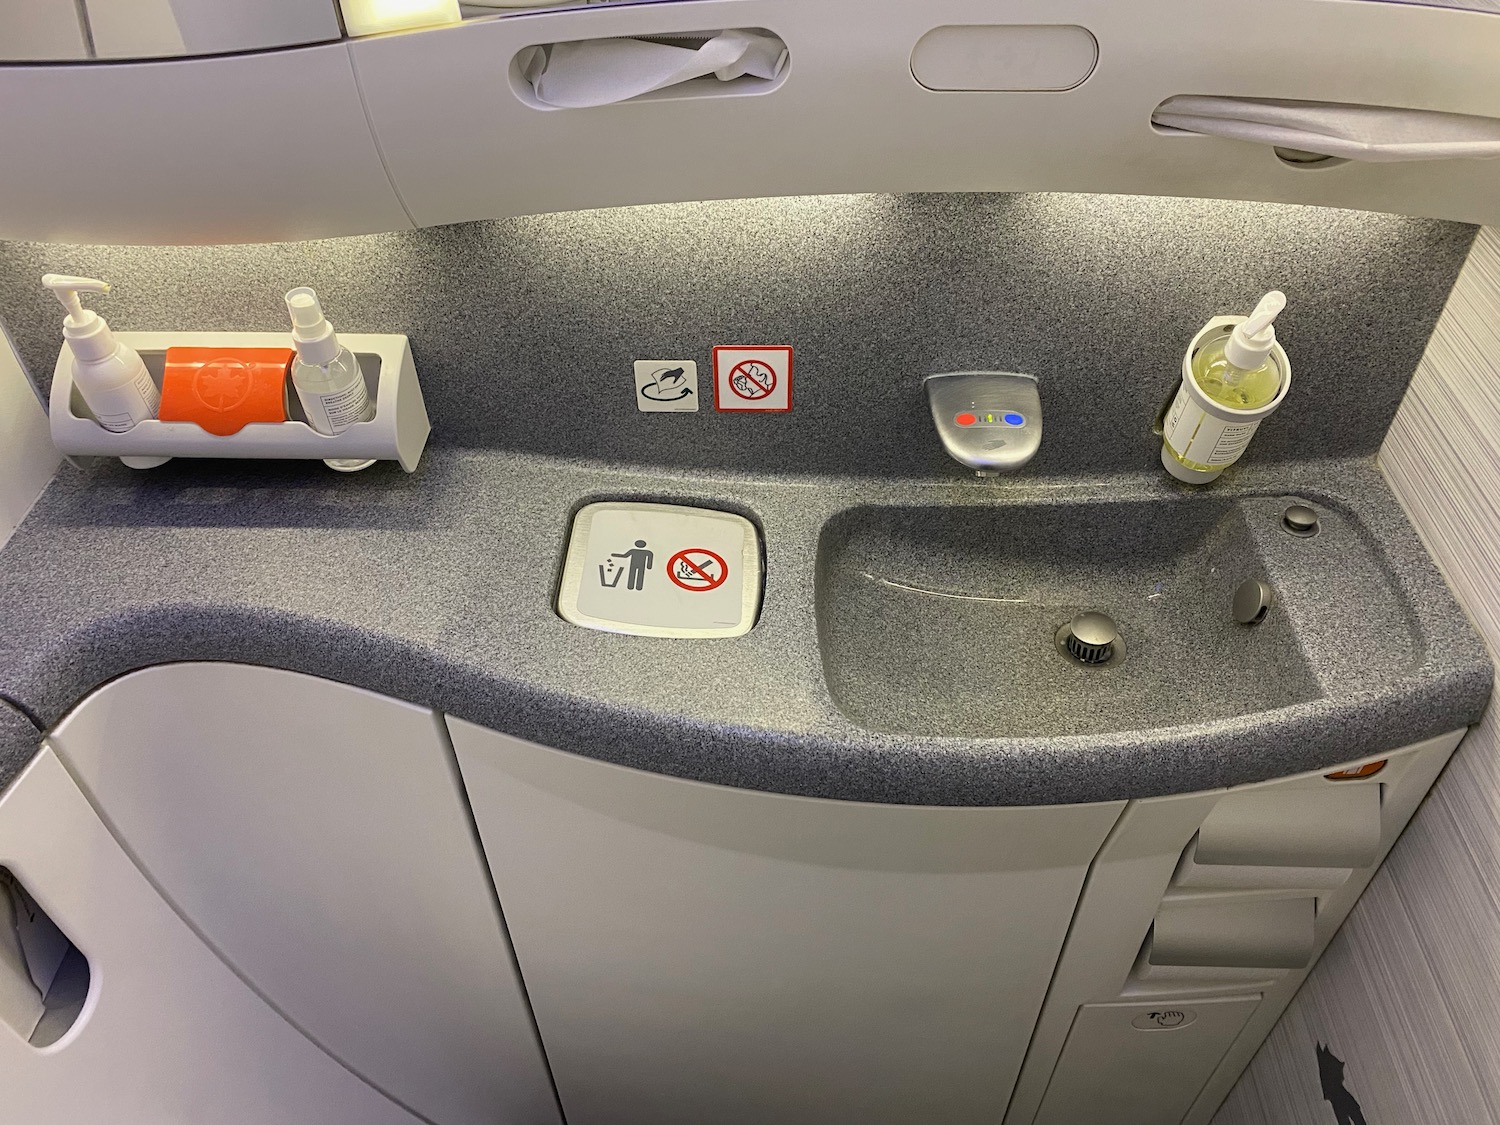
1090,638
1300,520
1252,600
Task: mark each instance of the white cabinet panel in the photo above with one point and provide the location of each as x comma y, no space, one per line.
134,29
249,148
699,955
168,1036
140,29
38,30
1138,879
850,116
1151,1059
27,456
317,836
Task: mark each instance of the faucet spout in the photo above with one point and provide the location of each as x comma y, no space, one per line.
990,421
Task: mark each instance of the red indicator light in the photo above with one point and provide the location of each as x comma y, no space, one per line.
1369,769
966,419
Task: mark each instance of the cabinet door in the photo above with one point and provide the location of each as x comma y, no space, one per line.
143,29
317,836
711,956
168,1034
41,30
264,147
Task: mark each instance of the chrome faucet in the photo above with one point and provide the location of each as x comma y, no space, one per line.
990,421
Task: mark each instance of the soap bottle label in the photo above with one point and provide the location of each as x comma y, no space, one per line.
123,406
335,412
1199,438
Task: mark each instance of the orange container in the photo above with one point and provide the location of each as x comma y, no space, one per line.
225,389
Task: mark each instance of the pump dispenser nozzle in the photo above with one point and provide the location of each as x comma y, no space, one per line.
1252,339
66,290
116,387
84,329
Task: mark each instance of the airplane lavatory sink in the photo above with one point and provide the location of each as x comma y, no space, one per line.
953,620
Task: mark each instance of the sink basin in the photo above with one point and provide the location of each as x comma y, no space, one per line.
944,620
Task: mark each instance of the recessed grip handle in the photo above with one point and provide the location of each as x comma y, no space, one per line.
1316,827
1373,133
1250,933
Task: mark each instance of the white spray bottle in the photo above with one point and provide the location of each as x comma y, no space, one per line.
327,376
115,384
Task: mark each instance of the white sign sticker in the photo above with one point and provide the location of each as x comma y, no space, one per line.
666,385
661,569
753,378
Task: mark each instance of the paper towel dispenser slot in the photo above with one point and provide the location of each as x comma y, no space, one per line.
44,979
586,73
1321,826
1243,933
1005,57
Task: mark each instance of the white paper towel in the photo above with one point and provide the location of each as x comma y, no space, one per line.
1354,132
603,71
20,998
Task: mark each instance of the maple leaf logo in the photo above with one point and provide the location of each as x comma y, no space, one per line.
223,384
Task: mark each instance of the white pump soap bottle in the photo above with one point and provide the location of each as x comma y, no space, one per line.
115,384
1234,376
327,376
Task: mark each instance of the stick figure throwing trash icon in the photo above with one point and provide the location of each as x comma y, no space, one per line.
640,561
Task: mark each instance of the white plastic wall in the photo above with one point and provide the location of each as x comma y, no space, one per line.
850,116
283,145
135,29
317,837
241,148
1407,994
41,30
698,955
1137,880
27,457
168,1034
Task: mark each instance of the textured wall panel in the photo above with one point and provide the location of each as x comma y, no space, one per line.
1408,993
525,330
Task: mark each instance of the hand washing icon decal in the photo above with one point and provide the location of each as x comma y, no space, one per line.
668,385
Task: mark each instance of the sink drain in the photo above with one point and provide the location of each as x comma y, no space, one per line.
1091,638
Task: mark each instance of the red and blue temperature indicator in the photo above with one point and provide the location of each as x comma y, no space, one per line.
989,418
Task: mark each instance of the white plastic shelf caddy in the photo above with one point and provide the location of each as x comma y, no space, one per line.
398,432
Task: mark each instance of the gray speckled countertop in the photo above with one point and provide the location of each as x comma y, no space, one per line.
18,740
438,588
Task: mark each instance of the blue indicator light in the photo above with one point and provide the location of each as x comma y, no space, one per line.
1014,419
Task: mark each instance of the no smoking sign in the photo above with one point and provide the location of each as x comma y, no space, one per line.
757,379
697,569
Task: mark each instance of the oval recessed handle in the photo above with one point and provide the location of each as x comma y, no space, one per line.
1004,57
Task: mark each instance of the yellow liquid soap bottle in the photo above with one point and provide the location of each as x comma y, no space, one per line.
1237,370
1234,376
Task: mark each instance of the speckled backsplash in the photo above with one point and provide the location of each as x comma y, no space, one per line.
524,330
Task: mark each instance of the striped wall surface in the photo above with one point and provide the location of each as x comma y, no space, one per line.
1408,994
